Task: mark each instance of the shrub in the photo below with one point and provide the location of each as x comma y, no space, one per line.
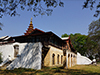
0,58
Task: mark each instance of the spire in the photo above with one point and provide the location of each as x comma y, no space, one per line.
30,28
31,21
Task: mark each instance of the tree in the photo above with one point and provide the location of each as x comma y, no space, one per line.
78,41
92,48
94,34
94,30
65,35
10,6
0,58
1,26
90,4
83,44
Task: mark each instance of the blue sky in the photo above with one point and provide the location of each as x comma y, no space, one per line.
68,19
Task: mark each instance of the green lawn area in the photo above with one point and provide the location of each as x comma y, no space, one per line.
75,70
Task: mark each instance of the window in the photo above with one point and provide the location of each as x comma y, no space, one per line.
53,59
61,59
16,50
46,39
52,40
58,59
33,39
55,42
71,55
68,55
37,39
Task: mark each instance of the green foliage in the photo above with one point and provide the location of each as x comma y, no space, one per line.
79,42
0,58
65,35
1,26
94,30
37,6
90,4
94,34
83,44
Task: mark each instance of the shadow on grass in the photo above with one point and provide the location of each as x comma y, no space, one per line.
16,71
79,72
47,71
61,70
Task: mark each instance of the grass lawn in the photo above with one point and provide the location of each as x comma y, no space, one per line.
75,70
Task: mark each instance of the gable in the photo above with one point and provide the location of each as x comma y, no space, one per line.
36,31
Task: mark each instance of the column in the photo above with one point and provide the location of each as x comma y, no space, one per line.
72,59
66,59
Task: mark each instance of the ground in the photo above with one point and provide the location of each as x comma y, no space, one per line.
75,70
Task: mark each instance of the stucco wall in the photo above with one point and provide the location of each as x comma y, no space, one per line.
29,55
71,59
8,49
48,59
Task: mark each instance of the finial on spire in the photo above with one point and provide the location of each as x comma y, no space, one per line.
31,21
31,18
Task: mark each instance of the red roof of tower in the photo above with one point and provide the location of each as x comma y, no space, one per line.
30,28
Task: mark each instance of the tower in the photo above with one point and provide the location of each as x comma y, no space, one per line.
30,28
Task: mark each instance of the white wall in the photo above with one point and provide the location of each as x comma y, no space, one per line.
29,55
82,60
8,49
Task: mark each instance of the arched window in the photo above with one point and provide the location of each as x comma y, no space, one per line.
53,59
58,59
68,55
61,59
71,55
16,50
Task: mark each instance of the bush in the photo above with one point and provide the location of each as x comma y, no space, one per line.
0,58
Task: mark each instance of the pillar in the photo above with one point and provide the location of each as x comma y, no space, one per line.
72,60
66,59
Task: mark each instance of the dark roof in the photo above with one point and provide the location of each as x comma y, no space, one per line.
37,34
